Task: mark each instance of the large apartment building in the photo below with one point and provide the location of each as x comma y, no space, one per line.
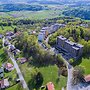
73,49
48,30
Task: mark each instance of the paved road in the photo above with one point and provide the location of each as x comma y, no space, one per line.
70,76
3,41
17,69
47,39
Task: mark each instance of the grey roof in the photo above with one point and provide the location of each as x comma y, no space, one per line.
12,47
45,28
61,37
42,30
40,33
76,48
69,42
1,35
79,45
1,70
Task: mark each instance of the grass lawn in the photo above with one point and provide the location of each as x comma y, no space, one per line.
50,74
16,87
6,28
2,57
13,88
86,64
11,74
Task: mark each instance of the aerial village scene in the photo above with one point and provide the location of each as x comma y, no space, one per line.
44,44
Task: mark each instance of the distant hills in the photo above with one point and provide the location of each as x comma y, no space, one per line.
40,1
19,7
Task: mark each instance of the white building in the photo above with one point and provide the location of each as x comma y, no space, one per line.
41,37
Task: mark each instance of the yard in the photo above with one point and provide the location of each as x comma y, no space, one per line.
50,74
10,75
16,87
86,64
3,57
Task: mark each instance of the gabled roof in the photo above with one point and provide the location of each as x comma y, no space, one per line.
50,86
4,83
9,66
22,60
87,78
1,70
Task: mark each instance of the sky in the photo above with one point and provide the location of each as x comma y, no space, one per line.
14,1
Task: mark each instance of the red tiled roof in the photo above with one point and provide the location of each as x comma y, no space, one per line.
18,33
50,86
2,83
87,78
9,65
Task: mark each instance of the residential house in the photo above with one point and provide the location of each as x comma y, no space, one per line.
43,33
12,48
44,30
4,83
16,51
18,33
87,78
41,37
8,67
1,72
8,37
33,32
9,33
50,86
84,25
6,43
22,60
1,36
73,49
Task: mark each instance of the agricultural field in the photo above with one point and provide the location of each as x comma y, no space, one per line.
4,14
33,15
